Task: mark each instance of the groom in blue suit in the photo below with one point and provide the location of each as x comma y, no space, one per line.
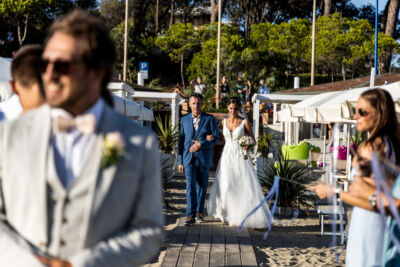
195,156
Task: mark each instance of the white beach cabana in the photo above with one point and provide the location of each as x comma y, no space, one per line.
275,99
122,95
172,98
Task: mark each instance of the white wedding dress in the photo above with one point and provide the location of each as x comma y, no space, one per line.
236,190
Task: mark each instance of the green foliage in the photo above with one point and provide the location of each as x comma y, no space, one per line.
179,41
267,142
168,137
358,138
292,186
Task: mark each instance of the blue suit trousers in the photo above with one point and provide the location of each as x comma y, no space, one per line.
196,188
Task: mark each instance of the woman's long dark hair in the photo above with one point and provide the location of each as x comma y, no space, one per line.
387,126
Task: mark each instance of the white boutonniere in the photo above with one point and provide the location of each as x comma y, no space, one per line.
113,148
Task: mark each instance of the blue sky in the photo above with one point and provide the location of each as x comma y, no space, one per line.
359,3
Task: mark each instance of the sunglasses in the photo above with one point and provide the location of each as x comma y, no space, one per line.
361,112
59,66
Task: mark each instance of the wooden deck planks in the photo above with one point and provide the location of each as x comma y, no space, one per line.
209,244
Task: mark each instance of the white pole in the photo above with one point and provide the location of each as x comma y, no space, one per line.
324,145
256,118
313,43
372,78
125,40
348,148
218,53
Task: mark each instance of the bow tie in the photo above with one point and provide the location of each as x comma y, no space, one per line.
84,124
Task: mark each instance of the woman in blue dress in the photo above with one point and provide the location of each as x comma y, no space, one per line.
375,114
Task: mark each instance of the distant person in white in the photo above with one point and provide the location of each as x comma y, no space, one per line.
26,82
198,85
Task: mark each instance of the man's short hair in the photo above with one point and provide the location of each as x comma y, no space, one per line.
97,48
26,66
196,95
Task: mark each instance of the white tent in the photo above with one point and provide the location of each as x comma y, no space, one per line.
331,107
337,109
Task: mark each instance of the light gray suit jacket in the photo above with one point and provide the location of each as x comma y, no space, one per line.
125,199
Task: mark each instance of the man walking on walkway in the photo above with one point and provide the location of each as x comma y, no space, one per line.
195,156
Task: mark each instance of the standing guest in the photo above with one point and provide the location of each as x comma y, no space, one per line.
263,89
90,195
240,90
249,92
224,90
26,82
194,156
375,114
199,86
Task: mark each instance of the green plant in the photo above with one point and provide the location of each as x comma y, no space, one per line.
268,142
292,186
358,138
168,137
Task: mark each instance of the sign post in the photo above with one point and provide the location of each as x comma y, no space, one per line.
144,69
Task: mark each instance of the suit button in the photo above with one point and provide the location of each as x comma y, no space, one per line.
62,242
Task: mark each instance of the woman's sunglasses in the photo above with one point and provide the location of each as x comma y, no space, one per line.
59,66
361,112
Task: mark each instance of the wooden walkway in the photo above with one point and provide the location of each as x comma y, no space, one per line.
209,244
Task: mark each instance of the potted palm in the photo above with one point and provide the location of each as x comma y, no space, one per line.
292,186
168,137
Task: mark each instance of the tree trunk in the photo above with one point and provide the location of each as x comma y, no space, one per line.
214,11
157,6
171,20
21,39
246,23
391,22
182,78
343,72
327,7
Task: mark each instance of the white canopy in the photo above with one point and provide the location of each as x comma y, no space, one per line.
337,108
332,106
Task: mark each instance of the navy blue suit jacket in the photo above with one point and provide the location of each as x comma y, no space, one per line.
207,126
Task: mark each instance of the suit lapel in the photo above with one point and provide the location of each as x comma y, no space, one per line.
100,180
191,127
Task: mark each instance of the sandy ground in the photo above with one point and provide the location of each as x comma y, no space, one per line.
290,243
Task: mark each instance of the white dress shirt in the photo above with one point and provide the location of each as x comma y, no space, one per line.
71,147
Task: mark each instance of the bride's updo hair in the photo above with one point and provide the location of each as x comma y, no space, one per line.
235,100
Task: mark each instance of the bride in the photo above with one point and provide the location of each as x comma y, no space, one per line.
236,190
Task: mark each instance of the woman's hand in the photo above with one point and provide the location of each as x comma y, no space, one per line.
246,148
210,137
323,190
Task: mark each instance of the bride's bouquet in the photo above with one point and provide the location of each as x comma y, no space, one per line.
246,141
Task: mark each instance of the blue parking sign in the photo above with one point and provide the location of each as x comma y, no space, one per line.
143,66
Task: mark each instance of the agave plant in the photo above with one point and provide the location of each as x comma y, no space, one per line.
168,136
292,186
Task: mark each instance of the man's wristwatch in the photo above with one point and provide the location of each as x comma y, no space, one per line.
372,200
